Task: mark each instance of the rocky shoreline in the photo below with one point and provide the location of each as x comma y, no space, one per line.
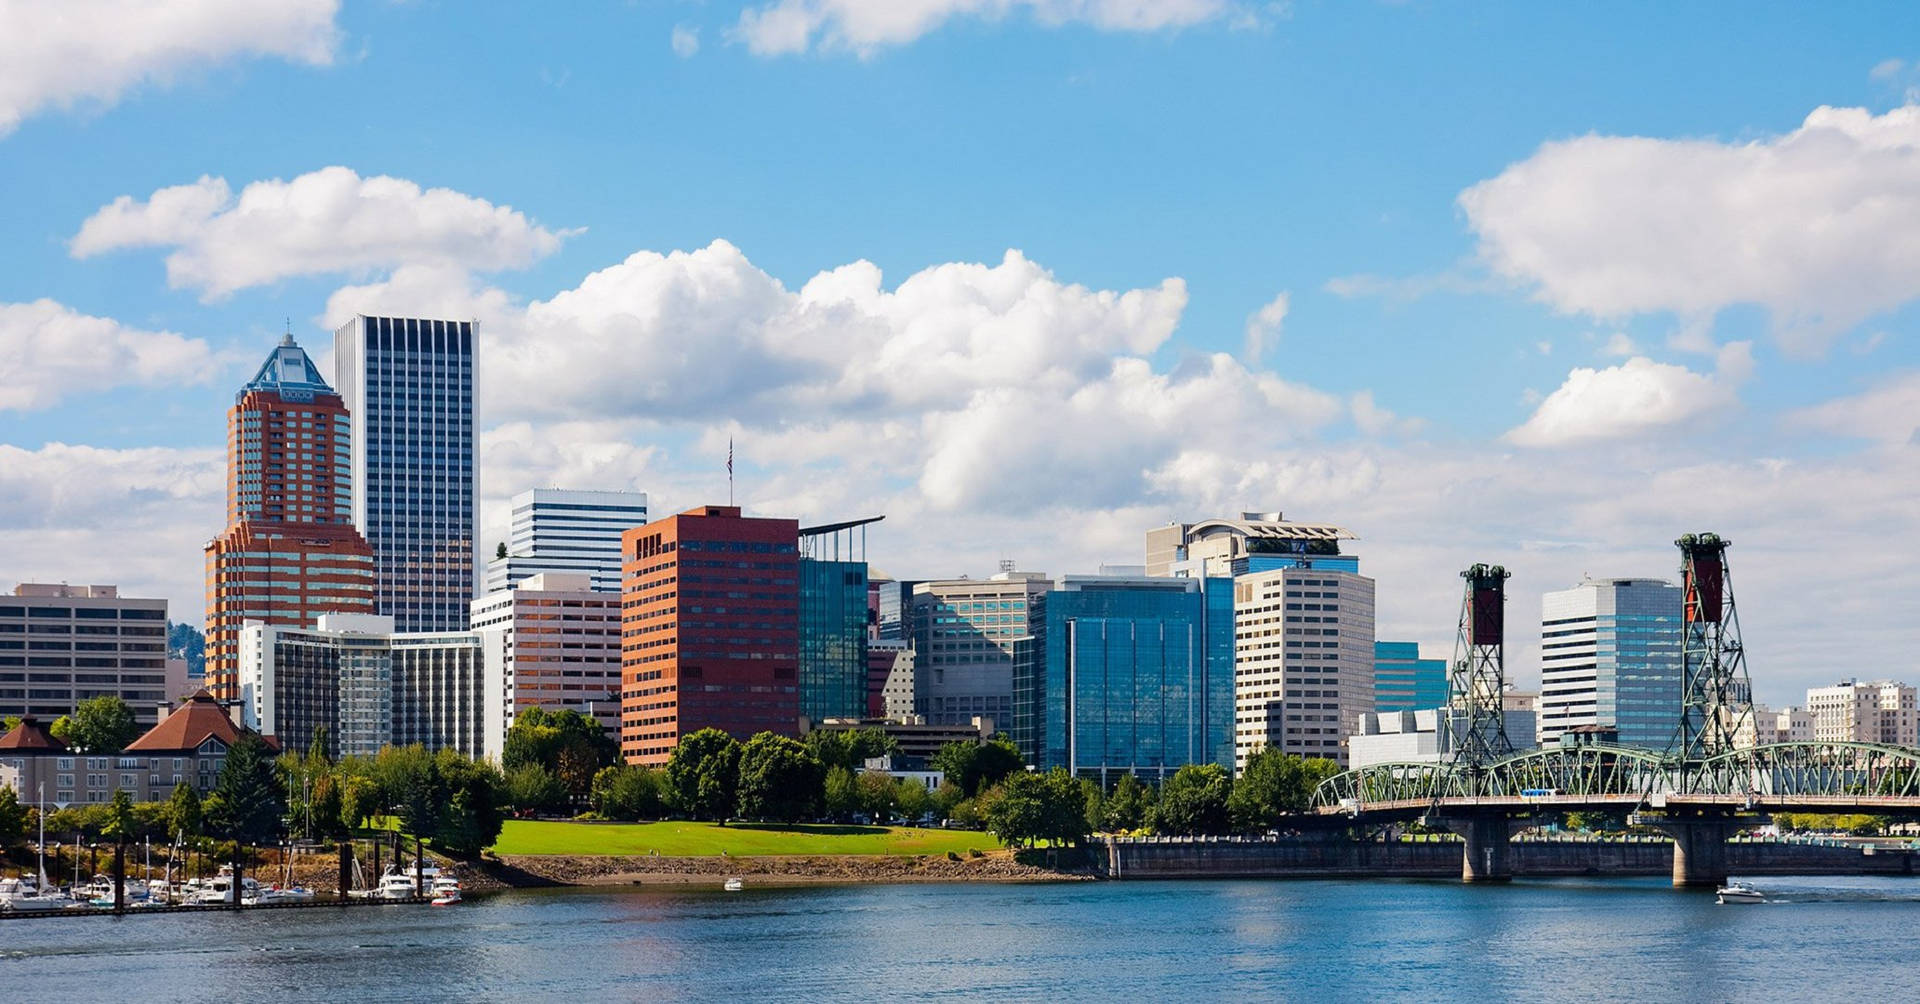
534,870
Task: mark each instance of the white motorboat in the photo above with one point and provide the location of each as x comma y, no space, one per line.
397,885
220,889
19,895
1738,892
275,894
446,890
734,885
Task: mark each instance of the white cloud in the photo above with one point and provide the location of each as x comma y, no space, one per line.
1821,226
61,52
1632,398
1620,344
324,222
49,351
686,41
1887,413
864,27
1263,327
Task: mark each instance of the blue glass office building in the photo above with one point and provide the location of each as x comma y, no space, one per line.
1610,656
408,388
1402,681
833,639
1126,675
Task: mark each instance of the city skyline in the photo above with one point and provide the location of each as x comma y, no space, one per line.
998,317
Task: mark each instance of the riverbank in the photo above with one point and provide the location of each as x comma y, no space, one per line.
533,870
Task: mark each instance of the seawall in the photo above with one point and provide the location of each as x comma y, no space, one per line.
1237,858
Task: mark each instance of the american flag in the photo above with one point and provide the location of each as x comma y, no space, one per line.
729,456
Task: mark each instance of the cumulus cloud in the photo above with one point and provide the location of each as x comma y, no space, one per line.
49,351
1887,413
58,54
1821,226
1263,326
324,222
685,40
864,27
1634,397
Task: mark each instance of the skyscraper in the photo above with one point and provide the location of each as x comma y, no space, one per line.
710,629
1610,656
289,552
1126,674
963,632
1303,672
559,530
1402,681
408,386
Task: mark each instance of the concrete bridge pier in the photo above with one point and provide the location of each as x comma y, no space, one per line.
1699,849
1488,837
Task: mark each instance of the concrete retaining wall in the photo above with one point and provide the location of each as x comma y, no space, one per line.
1366,859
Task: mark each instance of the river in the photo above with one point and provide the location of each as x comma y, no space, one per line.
1824,939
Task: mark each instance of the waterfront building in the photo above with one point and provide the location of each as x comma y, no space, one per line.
833,636
1879,711
369,685
289,552
1255,542
189,745
561,530
1402,681
1610,656
1126,675
918,740
963,632
1765,726
710,629
890,678
1418,736
892,605
408,388
558,644
1304,658
61,644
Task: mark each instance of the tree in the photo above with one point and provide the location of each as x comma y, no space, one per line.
13,818
326,805
1030,807
120,825
842,793
1127,808
779,779
9,723
359,798
911,797
500,550
533,788
876,794
849,748
471,814
62,729
703,774
943,798
977,765
184,641
570,745
184,811
625,791
1194,801
102,724
247,806
1274,785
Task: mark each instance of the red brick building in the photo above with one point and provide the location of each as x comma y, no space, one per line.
710,629
290,552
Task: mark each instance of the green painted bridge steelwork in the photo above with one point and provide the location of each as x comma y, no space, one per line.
1781,777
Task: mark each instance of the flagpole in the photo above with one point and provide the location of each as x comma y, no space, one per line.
729,471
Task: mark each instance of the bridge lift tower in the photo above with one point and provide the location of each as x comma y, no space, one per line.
1716,695
1476,682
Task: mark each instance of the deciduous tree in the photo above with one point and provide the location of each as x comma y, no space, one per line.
1194,801
703,773
779,779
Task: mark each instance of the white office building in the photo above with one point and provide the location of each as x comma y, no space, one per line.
553,643
1880,711
1303,660
408,388
1610,657
561,530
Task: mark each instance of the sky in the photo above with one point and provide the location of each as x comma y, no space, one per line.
1543,286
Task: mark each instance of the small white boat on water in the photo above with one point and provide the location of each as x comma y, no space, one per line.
1739,892
219,889
446,890
734,885
20,895
397,885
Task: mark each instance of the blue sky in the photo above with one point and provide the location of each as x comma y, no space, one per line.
1653,208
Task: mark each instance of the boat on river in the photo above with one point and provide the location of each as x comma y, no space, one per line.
734,885
1738,893
446,890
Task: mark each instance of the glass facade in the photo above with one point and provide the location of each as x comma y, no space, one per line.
1610,656
1402,681
408,386
833,639
1127,675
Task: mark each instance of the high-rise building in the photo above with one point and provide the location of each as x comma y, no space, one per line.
1880,711
1256,542
290,552
1304,659
560,649
890,678
408,386
963,632
892,603
61,644
1610,657
1402,681
368,685
1766,726
833,638
1126,675
710,629
560,530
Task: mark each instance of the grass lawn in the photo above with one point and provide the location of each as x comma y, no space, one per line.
681,839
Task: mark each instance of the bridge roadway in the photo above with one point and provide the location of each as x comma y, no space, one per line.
1698,803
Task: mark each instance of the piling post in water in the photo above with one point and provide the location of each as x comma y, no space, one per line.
346,867
120,876
419,867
